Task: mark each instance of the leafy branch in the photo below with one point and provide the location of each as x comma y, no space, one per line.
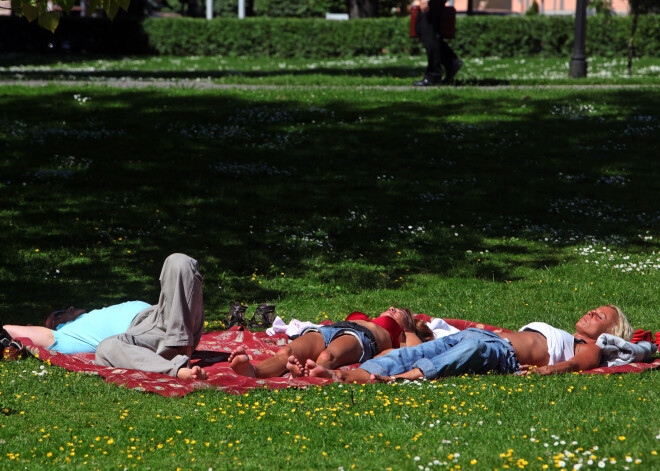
49,19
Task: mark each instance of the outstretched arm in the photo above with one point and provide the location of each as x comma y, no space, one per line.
412,375
587,357
40,336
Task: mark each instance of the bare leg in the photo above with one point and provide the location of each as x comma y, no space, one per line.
306,346
343,350
40,336
240,363
192,373
296,368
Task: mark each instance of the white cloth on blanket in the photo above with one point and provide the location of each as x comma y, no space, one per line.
295,327
616,352
439,327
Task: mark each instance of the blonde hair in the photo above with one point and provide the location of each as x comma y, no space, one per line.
622,328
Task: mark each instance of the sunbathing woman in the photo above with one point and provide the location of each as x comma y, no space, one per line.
355,340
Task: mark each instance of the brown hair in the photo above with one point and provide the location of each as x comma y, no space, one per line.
418,326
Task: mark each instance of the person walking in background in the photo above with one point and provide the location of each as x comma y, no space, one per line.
438,53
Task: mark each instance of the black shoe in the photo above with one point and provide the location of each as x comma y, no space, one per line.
236,315
13,351
264,316
456,65
428,82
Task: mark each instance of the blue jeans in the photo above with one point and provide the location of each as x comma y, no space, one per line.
469,351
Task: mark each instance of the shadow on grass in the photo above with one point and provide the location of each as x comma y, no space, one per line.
380,72
347,194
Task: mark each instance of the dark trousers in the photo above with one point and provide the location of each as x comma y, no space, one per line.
438,52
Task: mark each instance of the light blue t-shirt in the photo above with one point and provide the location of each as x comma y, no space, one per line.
83,335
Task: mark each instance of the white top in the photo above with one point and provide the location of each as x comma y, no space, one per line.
561,344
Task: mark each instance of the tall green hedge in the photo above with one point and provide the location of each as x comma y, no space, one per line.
476,36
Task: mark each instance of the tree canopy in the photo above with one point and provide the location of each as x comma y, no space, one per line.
49,19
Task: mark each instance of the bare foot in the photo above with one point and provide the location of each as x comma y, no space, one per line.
295,367
192,373
318,371
239,361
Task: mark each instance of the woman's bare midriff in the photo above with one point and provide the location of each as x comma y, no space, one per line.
382,336
531,347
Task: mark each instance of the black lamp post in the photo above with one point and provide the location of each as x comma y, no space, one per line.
578,66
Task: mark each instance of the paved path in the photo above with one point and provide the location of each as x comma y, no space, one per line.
209,85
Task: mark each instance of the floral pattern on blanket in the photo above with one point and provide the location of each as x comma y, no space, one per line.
212,354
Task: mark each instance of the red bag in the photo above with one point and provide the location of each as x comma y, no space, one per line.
413,19
447,25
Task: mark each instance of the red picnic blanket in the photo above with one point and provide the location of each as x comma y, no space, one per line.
212,354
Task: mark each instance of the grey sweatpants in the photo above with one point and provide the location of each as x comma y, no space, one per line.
159,335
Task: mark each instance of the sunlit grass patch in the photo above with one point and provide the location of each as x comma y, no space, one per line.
493,421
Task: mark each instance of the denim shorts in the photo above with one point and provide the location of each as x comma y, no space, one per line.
364,336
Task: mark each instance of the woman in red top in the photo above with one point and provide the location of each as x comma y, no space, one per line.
355,340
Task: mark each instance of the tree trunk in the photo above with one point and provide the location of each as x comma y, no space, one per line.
362,8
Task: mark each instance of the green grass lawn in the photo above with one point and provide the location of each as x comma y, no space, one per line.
502,206
385,70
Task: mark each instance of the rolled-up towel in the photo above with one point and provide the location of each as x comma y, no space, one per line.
616,352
